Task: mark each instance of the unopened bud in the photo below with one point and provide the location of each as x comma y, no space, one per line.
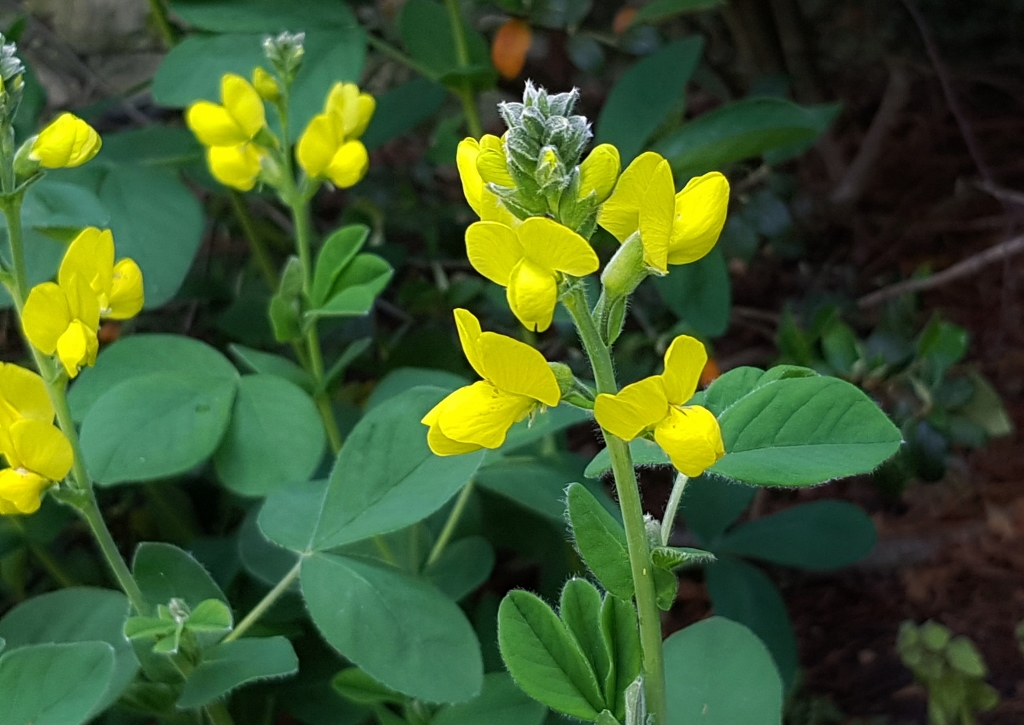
285,52
266,85
626,269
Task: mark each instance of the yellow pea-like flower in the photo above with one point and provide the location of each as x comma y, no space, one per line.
516,381
234,121
235,166
67,142
674,228
689,434
529,261
329,147
599,172
38,454
64,317
475,159
22,396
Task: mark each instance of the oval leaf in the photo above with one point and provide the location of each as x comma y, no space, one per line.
54,684
230,665
601,541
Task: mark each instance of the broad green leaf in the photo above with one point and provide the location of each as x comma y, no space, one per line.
400,380
700,294
337,252
262,16
398,628
659,10
355,289
580,611
155,426
642,99
165,572
140,355
275,437
621,632
743,593
230,665
643,452
543,658
737,131
156,221
384,479
741,381
266,561
54,684
527,432
462,567
802,431
499,703
355,685
533,485
712,503
401,109
427,34
719,673
77,614
601,541
59,205
156,145
819,535
266,363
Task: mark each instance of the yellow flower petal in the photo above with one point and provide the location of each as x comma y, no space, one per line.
493,168
265,84
90,256
620,214
41,448
235,166
481,414
472,183
494,250
491,142
556,248
492,210
343,103
67,142
77,347
83,302
692,439
213,125
348,165
365,106
469,336
22,395
45,316
656,217
518,369
599,172
317,145
243,103
684,361
127,294
633,409
20,492
532,295
700,210
440,444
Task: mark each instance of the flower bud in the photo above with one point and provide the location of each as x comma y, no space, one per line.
266,85
625,270
67,142
285,52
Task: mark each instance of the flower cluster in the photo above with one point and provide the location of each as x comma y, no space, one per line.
36,452
539,201
64,317
330,148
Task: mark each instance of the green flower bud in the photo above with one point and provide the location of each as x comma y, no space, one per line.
626,269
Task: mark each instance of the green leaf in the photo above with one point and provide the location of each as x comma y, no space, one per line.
941,345
427,34
77,614
337,252
659,10
401,109
354,684
544,660
399,629
275,437
528,432
355,288
802,431
670,557
737,131
262,16
400,380
642,99
535,486
499,703
61,206
819,535
711,503
644,453
230,665
210,615
719,673
155,426
266,561
842,351
43,255
666,588
462,567
743,593
606,718
54,684
580,611
141,355
266,363
144,627
165,572
622,634
985,408
171,146
700,294
601,541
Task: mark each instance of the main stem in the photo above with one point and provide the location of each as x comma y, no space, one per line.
632,514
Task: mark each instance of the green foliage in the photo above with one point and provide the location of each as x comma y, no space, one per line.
54,684
601,541
233,664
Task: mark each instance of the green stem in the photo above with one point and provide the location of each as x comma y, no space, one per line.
450,524
259,250
163,23
90,511
465,93
632,514
395,54
266,603
668,521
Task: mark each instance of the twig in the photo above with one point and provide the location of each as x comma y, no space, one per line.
974,263
1007,196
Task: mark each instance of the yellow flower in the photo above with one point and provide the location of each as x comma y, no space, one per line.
599,172
265,84
516,381
38,454
22,395
329,148
234,121
480,162
64,317
67,142
674,228
529,260
235,166
689,434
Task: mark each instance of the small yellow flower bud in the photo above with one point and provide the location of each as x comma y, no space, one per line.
265,84
67,142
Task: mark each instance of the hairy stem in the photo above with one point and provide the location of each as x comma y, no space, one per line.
668,521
